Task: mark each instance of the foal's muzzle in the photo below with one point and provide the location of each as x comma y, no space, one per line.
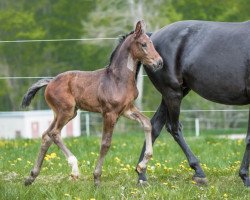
157,65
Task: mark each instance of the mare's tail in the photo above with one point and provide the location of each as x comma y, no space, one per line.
33,90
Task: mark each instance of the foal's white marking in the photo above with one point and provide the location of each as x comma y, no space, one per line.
130,63
73,163
147,129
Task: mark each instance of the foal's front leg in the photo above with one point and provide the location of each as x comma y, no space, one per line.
109,120
134,114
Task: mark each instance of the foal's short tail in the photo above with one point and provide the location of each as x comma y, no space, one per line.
33,90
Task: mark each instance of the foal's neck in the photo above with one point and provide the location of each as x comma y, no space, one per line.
124,65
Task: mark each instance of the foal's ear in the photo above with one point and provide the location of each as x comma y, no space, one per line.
140,28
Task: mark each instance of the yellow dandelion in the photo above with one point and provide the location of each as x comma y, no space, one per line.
158,164
117,159
182,166
193,182
237,162
239,142
174,187
53,155
124,144
124,169
134,191
225,195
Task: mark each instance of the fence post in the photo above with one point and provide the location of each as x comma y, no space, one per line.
197,127
87,123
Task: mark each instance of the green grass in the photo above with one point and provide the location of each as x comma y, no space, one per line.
169,174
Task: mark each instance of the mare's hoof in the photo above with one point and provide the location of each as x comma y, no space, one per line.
200,181
247,183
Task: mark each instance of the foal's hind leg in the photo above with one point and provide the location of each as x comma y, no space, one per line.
63,118
46,143
109,120
134,114
244,168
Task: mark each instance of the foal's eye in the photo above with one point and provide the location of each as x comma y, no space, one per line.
144,45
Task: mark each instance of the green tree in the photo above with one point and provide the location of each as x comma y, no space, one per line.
57,19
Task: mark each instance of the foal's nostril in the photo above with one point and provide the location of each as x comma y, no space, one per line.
160,63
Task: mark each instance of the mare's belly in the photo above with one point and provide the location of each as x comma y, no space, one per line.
224,88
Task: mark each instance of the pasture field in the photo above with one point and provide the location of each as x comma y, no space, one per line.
168,173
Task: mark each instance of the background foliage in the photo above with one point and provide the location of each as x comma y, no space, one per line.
45,19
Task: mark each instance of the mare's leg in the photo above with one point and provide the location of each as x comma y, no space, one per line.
244,168
109,120
46,143
173,101
63,118
134,114
158,121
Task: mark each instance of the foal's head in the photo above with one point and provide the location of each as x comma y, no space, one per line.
142,48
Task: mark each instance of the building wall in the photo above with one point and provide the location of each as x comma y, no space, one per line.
32,124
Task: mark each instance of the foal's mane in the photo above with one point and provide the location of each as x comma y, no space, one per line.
121,40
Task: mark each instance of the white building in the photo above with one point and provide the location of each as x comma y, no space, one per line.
32,124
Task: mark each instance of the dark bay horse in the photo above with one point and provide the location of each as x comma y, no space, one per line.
213,60
110,91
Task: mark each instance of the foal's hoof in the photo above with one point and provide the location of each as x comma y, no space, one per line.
200,181
97,183
74,177
28,181
142,183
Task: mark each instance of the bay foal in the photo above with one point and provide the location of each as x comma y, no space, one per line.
109,91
